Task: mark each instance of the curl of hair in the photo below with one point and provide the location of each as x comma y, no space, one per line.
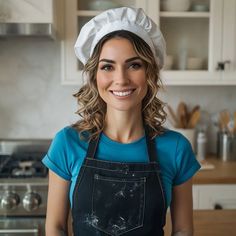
92,109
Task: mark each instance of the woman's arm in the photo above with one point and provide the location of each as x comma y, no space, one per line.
57,206
182,210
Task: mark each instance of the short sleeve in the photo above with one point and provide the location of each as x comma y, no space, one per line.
186,162
56,157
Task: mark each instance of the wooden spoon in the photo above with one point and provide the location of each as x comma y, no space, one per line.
182,115
194,119
224,120
197,107
179,115
185,116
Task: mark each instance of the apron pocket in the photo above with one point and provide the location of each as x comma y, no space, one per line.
118,204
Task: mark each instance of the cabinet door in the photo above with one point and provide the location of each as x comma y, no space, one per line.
26,11
77,13
217,196
194,41
195,197
229,42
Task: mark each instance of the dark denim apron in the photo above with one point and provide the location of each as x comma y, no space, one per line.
118,198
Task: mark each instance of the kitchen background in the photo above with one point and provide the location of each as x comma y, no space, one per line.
34,104
38,76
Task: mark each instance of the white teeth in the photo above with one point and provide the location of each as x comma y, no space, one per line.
122,94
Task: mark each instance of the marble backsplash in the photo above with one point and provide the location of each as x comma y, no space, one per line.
34,104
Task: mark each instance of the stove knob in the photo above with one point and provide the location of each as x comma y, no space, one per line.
9,201
31,201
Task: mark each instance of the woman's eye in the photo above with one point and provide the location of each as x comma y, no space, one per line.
106,67
136,65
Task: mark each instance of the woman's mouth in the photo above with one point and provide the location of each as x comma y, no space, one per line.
123,93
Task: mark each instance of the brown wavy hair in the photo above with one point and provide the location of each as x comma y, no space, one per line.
92,109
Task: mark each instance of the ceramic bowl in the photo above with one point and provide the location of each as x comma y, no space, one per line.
200,7
194,63
101,5
175,5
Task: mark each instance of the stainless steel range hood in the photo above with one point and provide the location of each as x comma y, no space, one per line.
31,18
27,29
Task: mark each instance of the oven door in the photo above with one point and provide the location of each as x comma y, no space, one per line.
29,226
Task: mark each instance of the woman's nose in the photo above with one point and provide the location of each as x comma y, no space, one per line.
121,77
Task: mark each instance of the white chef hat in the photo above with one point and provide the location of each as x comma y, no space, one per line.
123,18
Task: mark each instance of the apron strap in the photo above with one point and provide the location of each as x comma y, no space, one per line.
152,154
92,147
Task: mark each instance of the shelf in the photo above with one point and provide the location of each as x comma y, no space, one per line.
185,14
162,14
188,77
194,77
88,13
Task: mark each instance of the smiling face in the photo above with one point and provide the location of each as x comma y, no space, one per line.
121,76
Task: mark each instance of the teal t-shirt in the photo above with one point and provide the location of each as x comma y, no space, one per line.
174,153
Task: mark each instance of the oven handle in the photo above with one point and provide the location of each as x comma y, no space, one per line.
18,231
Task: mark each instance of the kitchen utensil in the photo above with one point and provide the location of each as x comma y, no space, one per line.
230,127
181,113
226,146
201,145
197,107
194,119
224,120
184,115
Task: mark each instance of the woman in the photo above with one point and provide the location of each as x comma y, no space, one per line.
117,166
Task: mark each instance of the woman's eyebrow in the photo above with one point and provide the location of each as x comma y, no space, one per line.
107,60
132,59
111,61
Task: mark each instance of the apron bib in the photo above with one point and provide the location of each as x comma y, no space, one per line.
118,198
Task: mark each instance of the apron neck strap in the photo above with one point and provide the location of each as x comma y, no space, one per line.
150,145
92,147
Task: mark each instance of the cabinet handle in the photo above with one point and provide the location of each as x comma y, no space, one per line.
221,64
218,206
19,231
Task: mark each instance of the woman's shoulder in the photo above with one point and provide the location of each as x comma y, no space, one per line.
69,129
68,134
170,135
171,138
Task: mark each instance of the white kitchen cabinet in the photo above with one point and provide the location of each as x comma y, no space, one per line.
26,11
209,35
214,196
229,42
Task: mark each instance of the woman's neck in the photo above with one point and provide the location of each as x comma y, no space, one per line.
124,127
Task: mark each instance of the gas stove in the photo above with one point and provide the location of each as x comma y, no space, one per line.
22,165
23,185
